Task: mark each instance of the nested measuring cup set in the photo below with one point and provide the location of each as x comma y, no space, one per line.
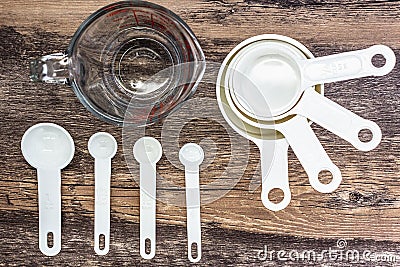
269,87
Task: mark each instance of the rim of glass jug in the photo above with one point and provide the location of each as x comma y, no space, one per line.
107,9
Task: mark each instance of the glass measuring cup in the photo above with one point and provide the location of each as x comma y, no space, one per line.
116,50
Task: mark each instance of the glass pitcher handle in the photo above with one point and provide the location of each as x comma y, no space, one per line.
50,69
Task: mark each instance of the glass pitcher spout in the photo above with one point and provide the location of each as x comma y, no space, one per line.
50,69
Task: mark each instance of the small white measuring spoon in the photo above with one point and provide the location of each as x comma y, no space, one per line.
147,151
48,148
191,156
102,147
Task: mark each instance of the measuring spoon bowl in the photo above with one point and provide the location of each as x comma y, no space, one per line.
47,146
147,150
102,145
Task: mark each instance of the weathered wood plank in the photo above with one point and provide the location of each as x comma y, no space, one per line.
365,206
220,247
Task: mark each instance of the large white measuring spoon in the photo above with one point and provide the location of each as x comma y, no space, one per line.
147,151
191,156
48,148
102,147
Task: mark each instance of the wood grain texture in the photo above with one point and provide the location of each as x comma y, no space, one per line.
364,210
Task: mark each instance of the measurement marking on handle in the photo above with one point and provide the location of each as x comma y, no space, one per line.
102,147
147,151
191,156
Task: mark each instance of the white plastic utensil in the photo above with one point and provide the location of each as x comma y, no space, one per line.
147,151
310,153
48,148
191,156
102,147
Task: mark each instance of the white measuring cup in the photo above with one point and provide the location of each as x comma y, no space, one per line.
281,78
280,75
272,145
48,148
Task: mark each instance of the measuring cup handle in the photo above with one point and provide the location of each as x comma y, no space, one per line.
338,120
345,66
50,69
310,153
274,171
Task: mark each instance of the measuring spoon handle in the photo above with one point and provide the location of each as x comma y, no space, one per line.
274,171
338,120
310,153
49,189
345,66
148,179
102,205
193,213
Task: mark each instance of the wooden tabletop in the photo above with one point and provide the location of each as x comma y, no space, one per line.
361,215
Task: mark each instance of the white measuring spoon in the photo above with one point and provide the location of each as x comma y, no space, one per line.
48,148
147,151
191,156
102,147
